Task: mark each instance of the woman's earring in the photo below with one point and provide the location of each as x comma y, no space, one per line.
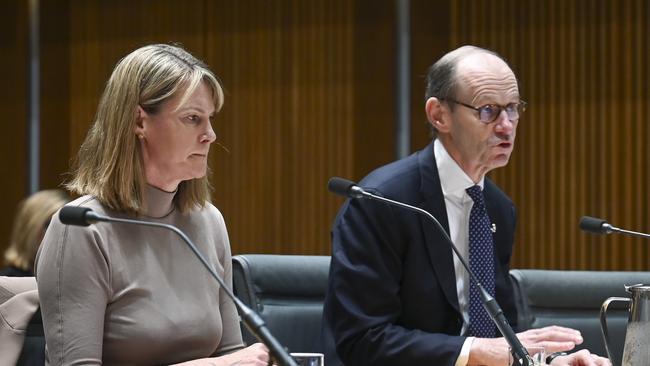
141,137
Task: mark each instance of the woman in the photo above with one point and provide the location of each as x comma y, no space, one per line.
31,220
121,294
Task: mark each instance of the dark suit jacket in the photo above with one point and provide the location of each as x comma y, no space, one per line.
392,297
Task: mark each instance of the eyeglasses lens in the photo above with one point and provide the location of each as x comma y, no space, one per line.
489,113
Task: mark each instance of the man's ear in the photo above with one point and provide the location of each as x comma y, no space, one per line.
437,114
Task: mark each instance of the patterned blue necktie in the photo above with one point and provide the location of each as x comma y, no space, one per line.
481,262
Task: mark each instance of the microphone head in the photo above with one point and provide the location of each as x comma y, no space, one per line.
594,225
74,215
340,186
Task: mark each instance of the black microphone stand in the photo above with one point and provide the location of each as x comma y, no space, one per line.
489,303
599,226
251,319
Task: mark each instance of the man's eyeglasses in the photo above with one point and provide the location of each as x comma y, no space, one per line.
488,113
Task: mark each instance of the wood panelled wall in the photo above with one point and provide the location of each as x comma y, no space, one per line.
13,104
289,121
310,94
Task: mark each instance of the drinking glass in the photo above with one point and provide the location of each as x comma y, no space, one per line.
309,359
537,353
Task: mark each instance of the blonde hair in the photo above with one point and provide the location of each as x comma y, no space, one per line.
109,163
32,218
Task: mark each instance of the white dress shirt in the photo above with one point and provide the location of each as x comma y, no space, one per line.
458,203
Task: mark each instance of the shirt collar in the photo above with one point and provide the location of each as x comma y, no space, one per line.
159,203
453,179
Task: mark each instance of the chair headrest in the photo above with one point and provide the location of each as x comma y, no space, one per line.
574,289
286,275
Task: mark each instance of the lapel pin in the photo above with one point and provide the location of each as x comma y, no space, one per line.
493,229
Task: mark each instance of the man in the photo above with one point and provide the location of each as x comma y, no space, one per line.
397,295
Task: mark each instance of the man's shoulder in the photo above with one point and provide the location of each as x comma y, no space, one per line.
394,179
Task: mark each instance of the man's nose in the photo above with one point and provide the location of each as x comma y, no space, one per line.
503,124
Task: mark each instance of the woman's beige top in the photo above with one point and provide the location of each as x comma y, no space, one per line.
122,294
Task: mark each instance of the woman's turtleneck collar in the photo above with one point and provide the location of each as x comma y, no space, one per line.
159,203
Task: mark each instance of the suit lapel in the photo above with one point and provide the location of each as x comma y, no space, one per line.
440,253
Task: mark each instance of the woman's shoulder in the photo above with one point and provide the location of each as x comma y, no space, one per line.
93,203
88,201
62,229
208,211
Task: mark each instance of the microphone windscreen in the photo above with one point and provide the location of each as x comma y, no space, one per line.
340,186
74,215
593,225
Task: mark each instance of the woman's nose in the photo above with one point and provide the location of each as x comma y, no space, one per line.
209,136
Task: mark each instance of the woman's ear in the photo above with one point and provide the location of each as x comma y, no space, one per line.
140,116
437,114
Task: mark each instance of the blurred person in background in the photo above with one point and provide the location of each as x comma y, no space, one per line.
31,221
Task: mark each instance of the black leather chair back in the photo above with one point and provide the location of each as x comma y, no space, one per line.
573,299
287,291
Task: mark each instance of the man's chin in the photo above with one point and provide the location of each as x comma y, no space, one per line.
500,160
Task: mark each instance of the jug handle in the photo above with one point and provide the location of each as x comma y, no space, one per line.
603,322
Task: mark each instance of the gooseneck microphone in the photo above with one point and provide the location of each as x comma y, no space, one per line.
84,216
346,188
599,226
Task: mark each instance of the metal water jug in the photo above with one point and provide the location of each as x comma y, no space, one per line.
636,350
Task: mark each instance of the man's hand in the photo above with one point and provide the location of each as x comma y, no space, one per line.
581,358
553,338
494,351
